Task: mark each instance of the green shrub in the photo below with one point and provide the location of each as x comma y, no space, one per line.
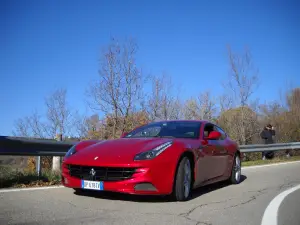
14,178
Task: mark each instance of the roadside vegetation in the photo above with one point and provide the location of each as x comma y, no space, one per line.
127,97
10,177
272,161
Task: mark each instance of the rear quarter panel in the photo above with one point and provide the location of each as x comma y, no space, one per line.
233,149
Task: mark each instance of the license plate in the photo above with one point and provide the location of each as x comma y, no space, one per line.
92,185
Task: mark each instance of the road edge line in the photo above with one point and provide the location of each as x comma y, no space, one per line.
267,165
30,189
270,216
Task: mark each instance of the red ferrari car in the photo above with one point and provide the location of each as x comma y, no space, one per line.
160,158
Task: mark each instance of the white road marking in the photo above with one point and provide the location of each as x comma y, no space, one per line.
60,186
271,212
272,164
29,189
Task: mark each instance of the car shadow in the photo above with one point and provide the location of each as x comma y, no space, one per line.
151,198
120,196
212,187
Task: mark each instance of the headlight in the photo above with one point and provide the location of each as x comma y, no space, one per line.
154,152
71,151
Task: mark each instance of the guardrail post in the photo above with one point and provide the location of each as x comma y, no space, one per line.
38,165
56,159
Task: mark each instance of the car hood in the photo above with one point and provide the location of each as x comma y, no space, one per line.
116,151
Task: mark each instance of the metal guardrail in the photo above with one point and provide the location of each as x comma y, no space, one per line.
37,147
33,147
270,147
19,146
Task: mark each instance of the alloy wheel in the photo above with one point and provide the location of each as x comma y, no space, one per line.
187,178
237,168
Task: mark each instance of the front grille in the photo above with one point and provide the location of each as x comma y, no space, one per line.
101,173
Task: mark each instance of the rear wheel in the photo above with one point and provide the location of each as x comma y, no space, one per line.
183,180
235,177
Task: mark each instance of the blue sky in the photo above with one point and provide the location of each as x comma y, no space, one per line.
45,45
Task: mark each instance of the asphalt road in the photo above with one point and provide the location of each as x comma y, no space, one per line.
289,210
215,204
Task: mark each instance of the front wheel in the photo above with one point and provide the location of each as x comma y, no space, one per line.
235,177
183,180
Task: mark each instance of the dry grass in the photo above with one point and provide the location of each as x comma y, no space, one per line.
15,178
275,160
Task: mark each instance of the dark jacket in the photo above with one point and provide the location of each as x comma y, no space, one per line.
267,135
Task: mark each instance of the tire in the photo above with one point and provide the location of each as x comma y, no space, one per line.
235,177
183,180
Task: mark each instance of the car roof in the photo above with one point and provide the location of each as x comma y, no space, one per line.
202,121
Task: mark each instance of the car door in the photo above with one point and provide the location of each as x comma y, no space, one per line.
221,153
209,167
204,157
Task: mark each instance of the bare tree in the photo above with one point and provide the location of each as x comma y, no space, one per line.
243,77
241,85
59,114
22,128
290,120
81,125
203,107
225,102
90,127
162,103
190,109
30,126
233,122
284,115
119,87
58,120
207,106
271,110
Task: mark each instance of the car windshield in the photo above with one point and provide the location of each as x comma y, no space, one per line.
173,129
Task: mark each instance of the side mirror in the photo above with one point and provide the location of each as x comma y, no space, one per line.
124,134
214,135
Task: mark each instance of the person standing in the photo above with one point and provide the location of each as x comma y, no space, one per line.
267,135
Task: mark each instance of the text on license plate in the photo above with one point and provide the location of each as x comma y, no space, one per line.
93,185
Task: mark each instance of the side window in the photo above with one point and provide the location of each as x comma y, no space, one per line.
207,129
222,132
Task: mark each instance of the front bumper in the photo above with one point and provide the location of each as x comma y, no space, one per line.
149,179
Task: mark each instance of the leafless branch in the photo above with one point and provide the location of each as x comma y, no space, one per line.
119,87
